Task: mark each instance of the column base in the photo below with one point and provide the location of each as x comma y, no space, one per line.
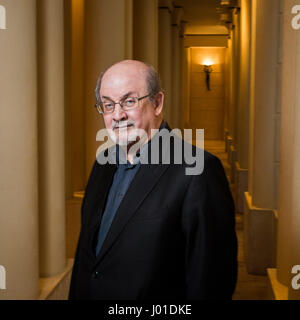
57,287
260,227
241,186
276,290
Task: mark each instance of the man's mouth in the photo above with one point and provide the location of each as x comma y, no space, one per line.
122,127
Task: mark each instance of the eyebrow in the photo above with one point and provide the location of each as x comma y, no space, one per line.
123,97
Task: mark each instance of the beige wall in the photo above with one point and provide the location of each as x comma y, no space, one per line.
207,107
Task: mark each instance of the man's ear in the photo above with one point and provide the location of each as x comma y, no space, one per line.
159,103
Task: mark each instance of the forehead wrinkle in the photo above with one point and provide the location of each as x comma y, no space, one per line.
123,97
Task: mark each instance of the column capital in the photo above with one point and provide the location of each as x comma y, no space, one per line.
177,15
165,4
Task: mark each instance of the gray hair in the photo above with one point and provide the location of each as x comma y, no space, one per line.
152,80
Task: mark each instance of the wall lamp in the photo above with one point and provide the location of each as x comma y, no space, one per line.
207,68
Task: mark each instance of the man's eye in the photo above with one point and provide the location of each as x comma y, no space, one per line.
108,105
130,102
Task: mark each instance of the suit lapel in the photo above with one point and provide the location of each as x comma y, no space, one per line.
144,181
97,191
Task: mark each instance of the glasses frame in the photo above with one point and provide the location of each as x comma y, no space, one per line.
99,107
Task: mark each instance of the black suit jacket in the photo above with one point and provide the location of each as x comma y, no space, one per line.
173,236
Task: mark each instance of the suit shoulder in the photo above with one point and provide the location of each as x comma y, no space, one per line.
205,165
211,159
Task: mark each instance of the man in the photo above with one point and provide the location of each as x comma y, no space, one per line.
151,231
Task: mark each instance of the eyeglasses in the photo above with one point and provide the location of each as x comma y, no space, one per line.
127,104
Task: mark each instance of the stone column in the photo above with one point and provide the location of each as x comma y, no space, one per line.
229,104
234,99
165,56
241,165
226,105
186,86
145,31
18,140
108,34
51,137
74,96
176,67
260,200
288,249
232,91
184,78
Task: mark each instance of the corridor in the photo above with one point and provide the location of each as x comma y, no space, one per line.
230,67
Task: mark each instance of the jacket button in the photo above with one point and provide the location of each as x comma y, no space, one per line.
95,275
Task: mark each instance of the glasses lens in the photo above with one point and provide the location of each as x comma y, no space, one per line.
108,107
130,103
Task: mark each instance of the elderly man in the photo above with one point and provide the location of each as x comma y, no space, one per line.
151,231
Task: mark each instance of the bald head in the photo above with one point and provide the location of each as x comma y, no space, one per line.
135,66
144,73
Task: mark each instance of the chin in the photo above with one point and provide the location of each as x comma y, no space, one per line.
124,139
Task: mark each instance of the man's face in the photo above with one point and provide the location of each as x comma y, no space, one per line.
122,81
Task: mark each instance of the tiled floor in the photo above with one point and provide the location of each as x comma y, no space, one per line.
249,287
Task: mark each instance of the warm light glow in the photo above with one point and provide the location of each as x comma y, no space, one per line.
208,62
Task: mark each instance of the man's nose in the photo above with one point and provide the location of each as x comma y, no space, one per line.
119,114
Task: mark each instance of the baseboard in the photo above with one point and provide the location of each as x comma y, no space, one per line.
276,290
57,287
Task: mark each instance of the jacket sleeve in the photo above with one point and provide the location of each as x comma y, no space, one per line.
208,219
